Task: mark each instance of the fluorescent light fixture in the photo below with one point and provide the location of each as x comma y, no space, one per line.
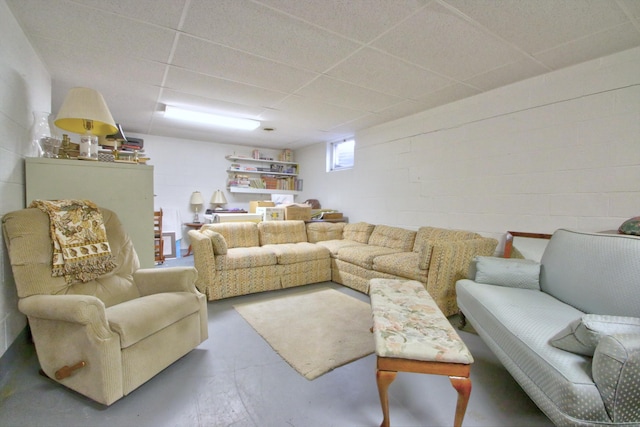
210,119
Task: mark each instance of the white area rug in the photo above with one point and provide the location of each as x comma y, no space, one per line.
315,331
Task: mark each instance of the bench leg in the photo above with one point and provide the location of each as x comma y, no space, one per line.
463,387
384,378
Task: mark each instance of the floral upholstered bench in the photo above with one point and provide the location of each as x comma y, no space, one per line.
412,335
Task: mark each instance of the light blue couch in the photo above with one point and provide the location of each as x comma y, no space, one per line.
567,328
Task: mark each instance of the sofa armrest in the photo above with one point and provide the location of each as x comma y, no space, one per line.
78,309
204,258
616,368
173,279
449,262
509,272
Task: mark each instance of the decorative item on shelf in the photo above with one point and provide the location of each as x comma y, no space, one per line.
217,200
196,202
40,131
85,112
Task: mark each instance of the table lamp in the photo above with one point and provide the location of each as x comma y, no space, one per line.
218,199
85,112
196,201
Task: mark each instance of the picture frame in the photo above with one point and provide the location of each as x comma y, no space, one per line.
169,244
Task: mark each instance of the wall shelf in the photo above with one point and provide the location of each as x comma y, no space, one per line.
243,176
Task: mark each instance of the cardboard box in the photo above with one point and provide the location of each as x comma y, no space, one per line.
271,214
299,212
260,204
332,215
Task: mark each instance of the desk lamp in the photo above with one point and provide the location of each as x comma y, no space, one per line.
196,201
218,199
85,112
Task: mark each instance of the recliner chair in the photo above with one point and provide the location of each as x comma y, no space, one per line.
106,337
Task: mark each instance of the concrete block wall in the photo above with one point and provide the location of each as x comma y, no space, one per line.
25,86
559,150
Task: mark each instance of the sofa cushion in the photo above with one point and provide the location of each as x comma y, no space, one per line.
358,232
236,234
217,240
392,237
583,335
141,317
515,273
237,258
426,234
334,246
403,264
291,253
277,232
320,231
364,255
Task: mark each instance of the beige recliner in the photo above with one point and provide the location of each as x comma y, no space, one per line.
106,337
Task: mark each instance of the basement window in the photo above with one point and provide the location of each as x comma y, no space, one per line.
340,155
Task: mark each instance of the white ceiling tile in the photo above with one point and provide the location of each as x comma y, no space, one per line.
181,80
166,13
314,114
233,65
542,24
448,94
379,71
594,46
507,74
361,20
441,41
347,95
93,30
262,31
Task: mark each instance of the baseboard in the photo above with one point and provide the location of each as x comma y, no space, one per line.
21,348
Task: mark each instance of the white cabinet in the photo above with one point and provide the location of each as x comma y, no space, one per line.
126,189
249,175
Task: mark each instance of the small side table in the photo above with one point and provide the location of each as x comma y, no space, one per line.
195,226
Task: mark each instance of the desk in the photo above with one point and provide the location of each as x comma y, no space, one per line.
195,226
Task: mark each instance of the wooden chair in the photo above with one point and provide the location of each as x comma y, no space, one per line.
157,235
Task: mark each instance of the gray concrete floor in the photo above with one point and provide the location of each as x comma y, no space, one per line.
236,379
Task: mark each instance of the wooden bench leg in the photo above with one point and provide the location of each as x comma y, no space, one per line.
384,378
463,387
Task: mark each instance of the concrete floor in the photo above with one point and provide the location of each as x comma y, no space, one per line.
236,379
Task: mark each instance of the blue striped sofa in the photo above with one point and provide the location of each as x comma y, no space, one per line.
566,328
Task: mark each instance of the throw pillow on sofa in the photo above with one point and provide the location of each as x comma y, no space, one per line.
583,335
514,273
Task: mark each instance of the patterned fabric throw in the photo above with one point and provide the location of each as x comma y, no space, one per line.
81,251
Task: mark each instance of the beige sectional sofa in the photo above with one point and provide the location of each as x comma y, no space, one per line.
241,257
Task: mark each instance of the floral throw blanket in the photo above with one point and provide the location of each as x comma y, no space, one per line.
81,251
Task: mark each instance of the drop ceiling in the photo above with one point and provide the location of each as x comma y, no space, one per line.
313,70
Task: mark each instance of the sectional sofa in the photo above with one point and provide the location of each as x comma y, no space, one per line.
239,258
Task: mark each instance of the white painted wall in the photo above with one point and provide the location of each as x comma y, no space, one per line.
25,86
560,150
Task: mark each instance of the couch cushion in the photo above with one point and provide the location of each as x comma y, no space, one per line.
291,253
245,258
335,245
320,231
217,241
364,255
358,232
583,335
236,234
276,232
403,264
425,234
392,237
139,318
